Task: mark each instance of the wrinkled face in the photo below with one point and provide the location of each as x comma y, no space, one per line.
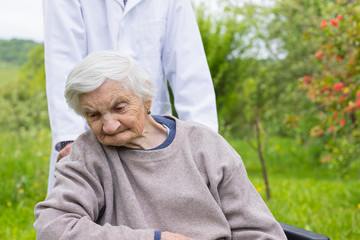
115,114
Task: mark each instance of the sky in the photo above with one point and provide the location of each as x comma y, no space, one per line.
21,19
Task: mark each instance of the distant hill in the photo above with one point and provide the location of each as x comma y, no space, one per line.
15,51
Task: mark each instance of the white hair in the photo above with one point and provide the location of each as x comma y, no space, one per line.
94,69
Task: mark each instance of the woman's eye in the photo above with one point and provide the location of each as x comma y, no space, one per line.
91,115
120,107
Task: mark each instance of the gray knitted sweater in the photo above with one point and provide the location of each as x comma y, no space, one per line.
197,186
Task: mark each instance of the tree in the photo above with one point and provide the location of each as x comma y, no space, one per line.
15,51
237,75
225,39
23,102
287,24
335,87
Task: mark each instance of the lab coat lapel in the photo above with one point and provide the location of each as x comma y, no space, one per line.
129,5
121,2
115,12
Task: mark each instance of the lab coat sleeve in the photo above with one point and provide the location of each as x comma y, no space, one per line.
186,68
65,45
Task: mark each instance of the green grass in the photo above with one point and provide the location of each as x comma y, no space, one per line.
304,193
23,173
8,72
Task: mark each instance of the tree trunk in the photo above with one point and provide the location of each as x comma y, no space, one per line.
260,153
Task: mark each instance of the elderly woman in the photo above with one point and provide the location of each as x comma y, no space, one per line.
138,176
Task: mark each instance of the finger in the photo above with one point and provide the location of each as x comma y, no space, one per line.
60,156
64,152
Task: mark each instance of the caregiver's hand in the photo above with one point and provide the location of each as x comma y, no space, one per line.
64,152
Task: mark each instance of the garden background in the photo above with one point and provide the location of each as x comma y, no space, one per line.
286,76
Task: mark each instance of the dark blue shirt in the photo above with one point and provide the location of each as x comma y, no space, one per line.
171,125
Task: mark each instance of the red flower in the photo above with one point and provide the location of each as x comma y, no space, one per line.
358,103
342,122
339,17
333,22
338,86
335,115
319,54
352,60
326,88
341,99
358,94
351,108
320,132
306,79
337,57
323,23
331,128
326,159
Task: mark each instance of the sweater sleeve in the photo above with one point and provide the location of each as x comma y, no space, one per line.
245,210
247,213
71,209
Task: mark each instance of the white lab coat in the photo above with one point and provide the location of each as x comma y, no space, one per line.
161,35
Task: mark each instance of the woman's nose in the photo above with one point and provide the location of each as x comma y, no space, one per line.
110,125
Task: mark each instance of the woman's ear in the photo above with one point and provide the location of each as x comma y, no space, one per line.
148,105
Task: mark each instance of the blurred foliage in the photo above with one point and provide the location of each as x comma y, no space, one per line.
23,101
8,72
25,141
239,76
15,51
24,166
256,55
225,40
335,87
284,25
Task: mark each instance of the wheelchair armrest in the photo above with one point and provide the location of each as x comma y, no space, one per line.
295,233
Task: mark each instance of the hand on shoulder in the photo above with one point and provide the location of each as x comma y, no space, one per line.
64,152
